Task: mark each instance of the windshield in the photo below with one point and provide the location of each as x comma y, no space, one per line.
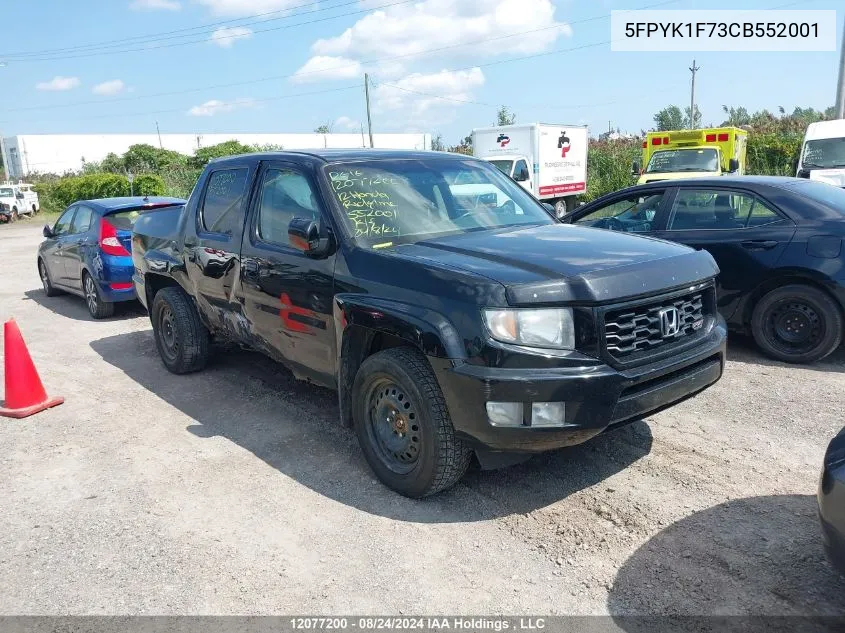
683,160
503,166
830,196
6,192
825,153
391,202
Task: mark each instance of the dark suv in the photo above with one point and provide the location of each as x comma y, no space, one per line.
451,318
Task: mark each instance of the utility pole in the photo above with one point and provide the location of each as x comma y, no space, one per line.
693,70
367,95
159,136
840,90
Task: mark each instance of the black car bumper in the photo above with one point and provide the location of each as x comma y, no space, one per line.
595,397
832,501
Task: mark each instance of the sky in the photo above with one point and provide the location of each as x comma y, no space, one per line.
438,66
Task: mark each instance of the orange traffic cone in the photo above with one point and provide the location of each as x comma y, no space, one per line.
25,394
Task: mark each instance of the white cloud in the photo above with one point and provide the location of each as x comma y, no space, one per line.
419,93
412,28
153,5
324,67
246,7
226,36
345,123
59,84
215,106
113,87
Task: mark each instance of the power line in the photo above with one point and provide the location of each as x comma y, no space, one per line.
177,44
161,34
317,72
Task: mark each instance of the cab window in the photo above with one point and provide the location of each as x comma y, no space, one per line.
285,195
632,214
221,205
82,220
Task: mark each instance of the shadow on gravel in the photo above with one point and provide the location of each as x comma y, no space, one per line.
743,349
754,556
293,427
73,307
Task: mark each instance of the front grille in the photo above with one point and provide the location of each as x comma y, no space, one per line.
633,333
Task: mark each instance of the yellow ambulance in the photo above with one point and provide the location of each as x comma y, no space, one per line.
692,154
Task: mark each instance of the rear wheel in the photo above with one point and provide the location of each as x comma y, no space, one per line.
15,214
49,290
403,425
797,324
98,308
561,208
181,338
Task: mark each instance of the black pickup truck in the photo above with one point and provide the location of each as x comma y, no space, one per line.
448,308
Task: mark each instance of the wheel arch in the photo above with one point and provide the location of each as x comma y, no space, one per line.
784,278
366,326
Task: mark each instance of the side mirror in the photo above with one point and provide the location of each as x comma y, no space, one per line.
635,168
19,195
733,165
304,235
47,231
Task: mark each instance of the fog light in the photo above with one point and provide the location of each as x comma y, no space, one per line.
504,413
548,414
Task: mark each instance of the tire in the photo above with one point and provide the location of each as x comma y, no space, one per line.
414,451
181,338
797,324
34,210
15,215
561,208
98,308
49,289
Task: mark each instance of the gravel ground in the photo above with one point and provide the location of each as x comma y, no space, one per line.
234,491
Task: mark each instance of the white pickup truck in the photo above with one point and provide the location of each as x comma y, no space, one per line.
17,199
823,154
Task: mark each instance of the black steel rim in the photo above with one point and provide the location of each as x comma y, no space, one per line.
167,334
393,425
91,294
794,326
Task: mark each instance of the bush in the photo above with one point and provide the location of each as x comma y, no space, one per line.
149,185
609,166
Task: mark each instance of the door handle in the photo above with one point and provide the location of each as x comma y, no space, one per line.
759,245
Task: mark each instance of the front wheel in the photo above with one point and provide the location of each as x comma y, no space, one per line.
49,290
98,308
797,324
181,338
403,425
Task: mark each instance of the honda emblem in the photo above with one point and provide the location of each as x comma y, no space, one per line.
670,322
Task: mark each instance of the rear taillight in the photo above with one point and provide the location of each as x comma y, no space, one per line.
656,141
109,242
121,285
710,138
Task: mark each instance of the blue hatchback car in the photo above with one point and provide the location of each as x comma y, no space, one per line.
88,251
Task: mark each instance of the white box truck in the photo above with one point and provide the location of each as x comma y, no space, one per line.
550,161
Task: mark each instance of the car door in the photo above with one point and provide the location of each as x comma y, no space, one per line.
212,243
744,233
53,252
77,244
638,211
287,295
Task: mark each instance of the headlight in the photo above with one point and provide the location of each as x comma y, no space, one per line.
543,327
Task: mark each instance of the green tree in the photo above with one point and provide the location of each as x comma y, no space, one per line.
144,158
325,128
228,148
437,143
669,118
696,123
505,117
736,116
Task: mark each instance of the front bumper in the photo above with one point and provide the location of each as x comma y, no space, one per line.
596,397
831,499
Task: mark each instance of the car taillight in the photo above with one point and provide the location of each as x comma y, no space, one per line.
710,138
656,141
723,138
109,242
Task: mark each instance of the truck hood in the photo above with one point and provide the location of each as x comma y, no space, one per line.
560,262
831,176
676,175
